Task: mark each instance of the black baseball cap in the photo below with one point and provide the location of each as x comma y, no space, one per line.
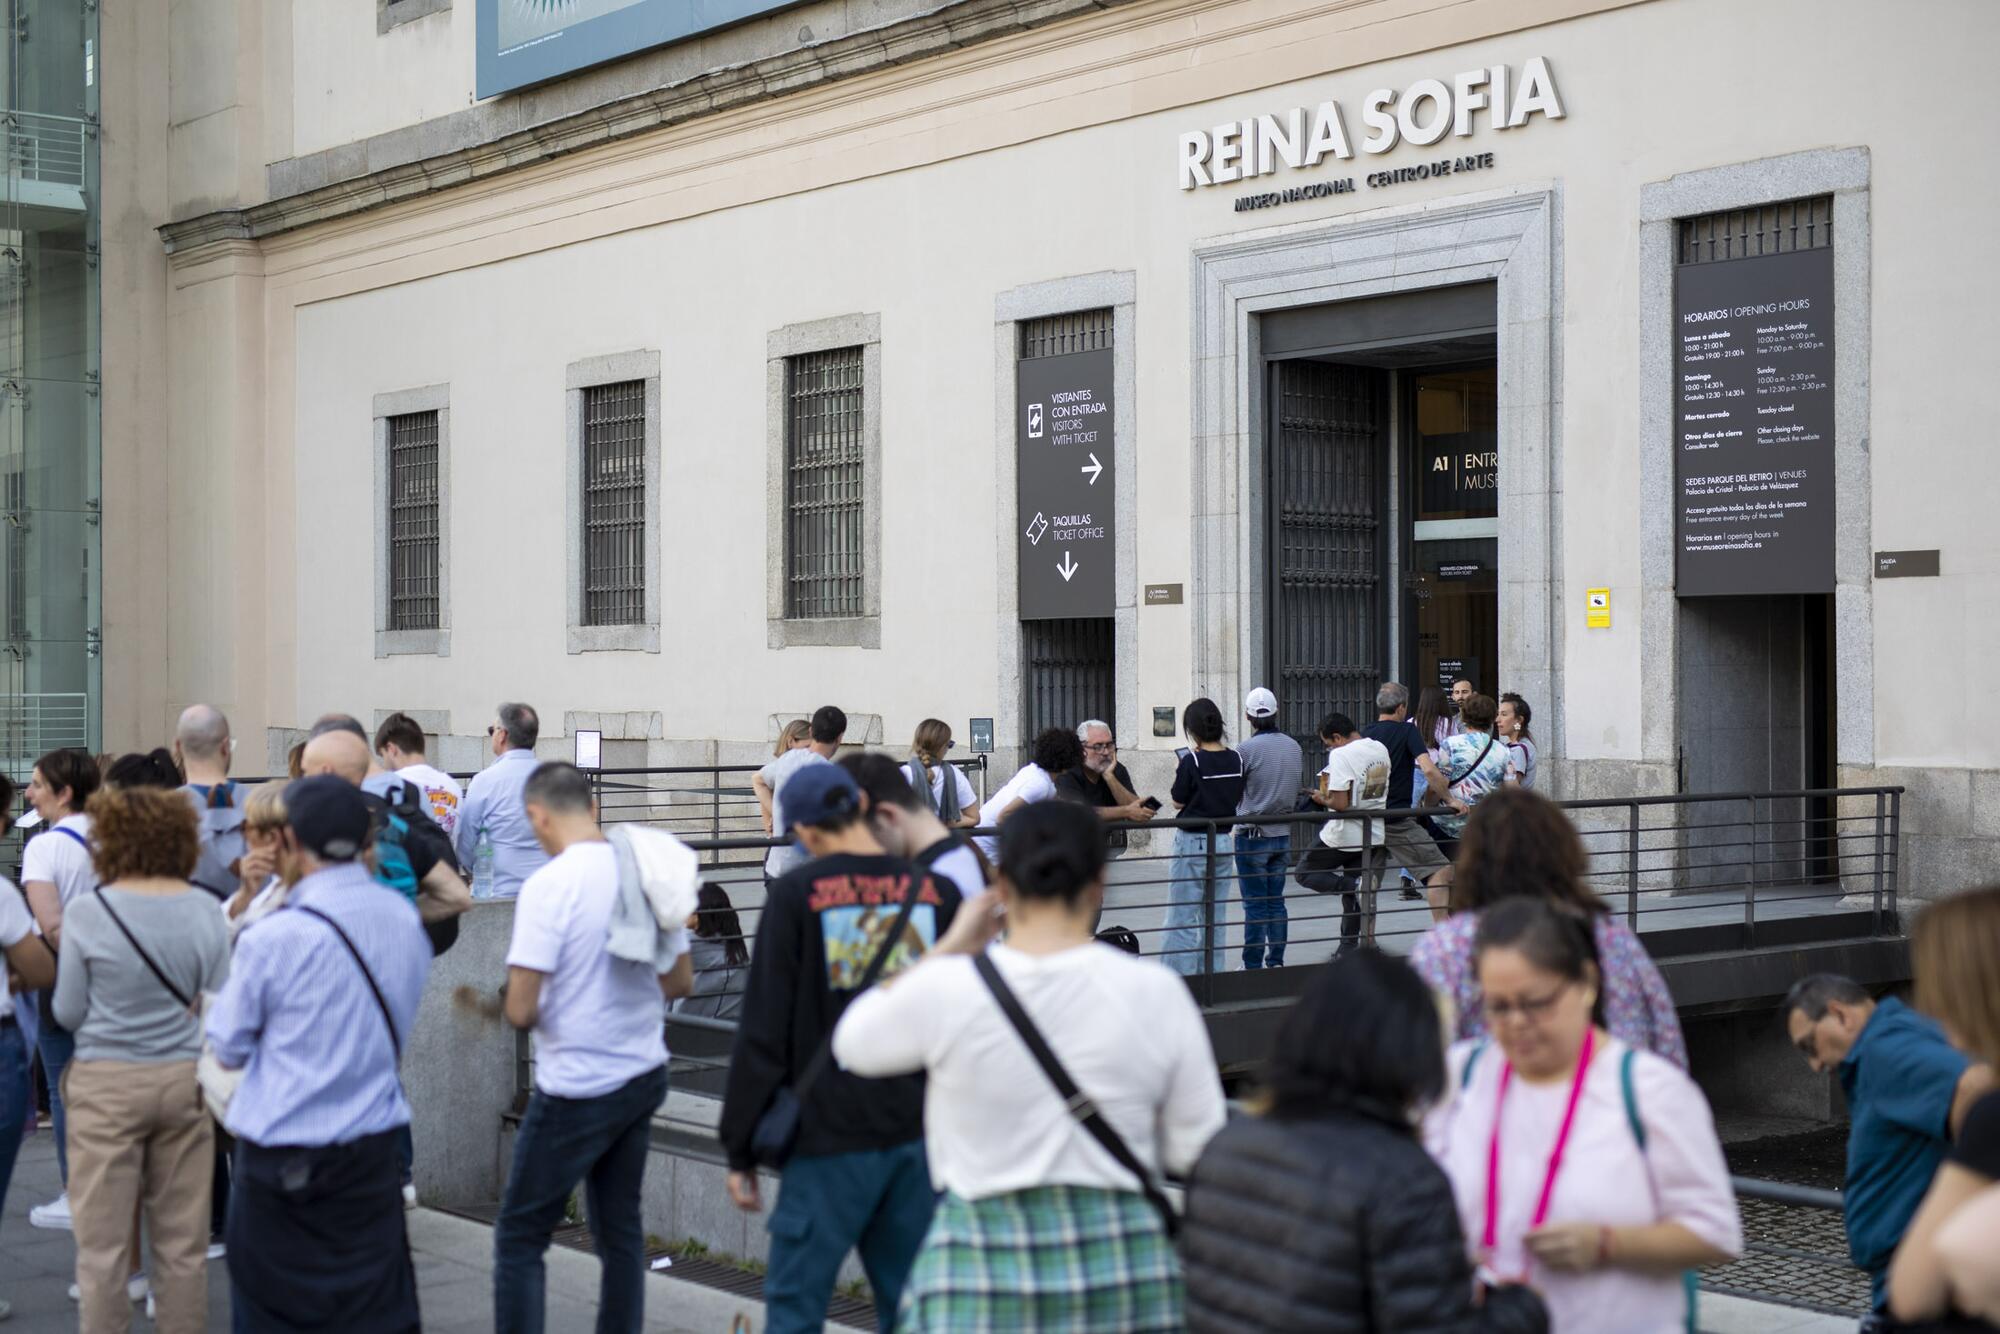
329,816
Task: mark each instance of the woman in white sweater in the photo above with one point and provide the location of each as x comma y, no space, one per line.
1029,1192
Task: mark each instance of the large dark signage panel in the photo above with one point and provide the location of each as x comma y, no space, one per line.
531,41
1753,425
1063,415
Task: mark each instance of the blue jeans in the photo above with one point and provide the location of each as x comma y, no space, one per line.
1260,871
601,1142
58,1046
876,1201
14,1099
1189,869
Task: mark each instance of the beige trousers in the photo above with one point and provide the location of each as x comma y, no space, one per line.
139,1134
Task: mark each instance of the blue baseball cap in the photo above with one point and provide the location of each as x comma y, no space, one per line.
819,794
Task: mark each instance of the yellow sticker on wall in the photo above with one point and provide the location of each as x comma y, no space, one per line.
1597,608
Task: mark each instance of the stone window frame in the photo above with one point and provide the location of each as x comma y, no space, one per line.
793,340
611,368
1844,174
1511,237
393,14
1117,291
435,641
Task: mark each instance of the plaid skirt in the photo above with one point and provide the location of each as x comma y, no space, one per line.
1070,1258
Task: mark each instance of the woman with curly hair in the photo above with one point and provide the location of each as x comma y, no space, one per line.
137,952
1520,845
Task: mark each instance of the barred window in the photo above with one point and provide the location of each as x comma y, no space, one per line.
614,503
413,521
1767,229
823,481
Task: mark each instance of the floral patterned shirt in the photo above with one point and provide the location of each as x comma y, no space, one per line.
1638,1009
1474,763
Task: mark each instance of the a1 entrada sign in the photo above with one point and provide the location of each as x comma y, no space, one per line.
1753,425
1065,485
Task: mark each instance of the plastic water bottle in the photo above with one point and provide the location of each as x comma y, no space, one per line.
482,867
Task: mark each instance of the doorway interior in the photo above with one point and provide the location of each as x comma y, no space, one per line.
1381,499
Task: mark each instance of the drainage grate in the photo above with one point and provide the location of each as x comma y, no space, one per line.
1793,1255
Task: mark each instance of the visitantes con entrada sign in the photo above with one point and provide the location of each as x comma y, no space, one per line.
1423,114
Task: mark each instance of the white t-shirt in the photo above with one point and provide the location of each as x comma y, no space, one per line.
442,794
16,924
1361,769
1125,1028
961,867
962,793
1031,784
602,1021
55,857
784,857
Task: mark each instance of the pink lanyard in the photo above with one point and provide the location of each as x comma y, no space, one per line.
1541,1215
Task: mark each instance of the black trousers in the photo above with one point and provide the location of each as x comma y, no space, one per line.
317,1240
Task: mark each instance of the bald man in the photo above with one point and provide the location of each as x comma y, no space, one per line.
203,749
441,891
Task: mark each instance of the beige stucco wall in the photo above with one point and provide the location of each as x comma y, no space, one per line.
352,81
922,191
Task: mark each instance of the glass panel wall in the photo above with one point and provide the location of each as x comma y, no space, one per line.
50,674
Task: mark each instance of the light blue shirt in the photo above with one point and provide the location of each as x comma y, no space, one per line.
298,1018
493,807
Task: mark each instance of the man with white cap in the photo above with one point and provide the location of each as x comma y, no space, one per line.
1272,769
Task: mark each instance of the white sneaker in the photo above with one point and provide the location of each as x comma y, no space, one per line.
137,1289
409,1195
53,1216
217,1249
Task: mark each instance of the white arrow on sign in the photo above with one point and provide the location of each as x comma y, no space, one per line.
1067,568
1093,469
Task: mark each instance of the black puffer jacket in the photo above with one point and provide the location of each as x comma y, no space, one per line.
1339,1223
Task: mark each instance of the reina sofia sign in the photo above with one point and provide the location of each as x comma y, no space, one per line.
1421,114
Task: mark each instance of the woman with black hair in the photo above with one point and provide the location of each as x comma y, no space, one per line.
1321,1211
1584,1166
155,768
1522,755
720,955
1041,1226
1208,785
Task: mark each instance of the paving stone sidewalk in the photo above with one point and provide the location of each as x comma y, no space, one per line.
454,1259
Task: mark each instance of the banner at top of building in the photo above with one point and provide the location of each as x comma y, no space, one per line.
523,42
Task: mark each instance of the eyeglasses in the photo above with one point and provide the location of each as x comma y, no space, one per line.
491,728
1100,745
951,744
1533,1009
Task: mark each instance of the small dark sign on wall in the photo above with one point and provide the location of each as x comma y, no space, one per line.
1906,564
1753,425
1163,595
982,736
1065,489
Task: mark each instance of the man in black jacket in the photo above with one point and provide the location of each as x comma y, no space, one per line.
857,1178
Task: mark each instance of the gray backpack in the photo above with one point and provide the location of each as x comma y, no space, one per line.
222,842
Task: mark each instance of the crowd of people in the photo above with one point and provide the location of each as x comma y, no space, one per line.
948,1070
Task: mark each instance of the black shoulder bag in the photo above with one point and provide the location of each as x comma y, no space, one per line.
1075,1101
140,950
395,1042
776,1133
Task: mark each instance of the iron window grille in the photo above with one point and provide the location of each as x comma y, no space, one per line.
614,503
413,522
823,484
1768,229
1060,335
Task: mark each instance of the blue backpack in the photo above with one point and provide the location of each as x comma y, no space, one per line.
1690,1279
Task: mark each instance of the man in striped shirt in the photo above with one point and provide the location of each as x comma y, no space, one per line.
320,997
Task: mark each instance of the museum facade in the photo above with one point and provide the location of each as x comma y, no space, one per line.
1030,360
